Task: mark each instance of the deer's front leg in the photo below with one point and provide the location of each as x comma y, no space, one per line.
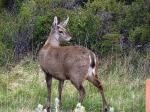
60,86
49,83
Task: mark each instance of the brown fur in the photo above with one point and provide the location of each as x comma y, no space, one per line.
67,63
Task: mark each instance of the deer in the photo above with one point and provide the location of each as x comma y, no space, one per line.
73,63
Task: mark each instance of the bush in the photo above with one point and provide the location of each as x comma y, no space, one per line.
135,15
41,29
111,43
8,29
140,35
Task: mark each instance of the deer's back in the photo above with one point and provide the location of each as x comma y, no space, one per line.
63,62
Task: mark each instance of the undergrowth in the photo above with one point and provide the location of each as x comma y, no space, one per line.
23,87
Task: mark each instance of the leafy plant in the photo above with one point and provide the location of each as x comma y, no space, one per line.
140,35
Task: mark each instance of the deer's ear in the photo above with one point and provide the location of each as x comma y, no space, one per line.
55,22
64,23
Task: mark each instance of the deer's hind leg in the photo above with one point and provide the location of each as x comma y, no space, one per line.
96,82
78,85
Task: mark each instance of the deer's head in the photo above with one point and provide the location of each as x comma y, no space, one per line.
59,30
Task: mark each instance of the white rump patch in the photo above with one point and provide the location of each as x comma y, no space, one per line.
94,58
91,71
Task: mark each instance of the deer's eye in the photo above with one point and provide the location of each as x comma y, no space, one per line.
60,31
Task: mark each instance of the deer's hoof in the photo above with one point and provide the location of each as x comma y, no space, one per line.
108,109
105,109
48,109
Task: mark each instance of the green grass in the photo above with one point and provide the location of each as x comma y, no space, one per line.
23,87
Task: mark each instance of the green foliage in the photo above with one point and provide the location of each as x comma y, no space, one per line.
135,15
140,34
26,11
42,28
88,26
114,37
43,3
4,55
111,43
8,29
84,27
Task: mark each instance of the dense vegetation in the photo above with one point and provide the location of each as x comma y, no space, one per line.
102,25
118,31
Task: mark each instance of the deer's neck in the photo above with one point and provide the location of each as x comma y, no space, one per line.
52,40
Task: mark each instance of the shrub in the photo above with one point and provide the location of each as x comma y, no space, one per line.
111,43
140,35
41,29
135,15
